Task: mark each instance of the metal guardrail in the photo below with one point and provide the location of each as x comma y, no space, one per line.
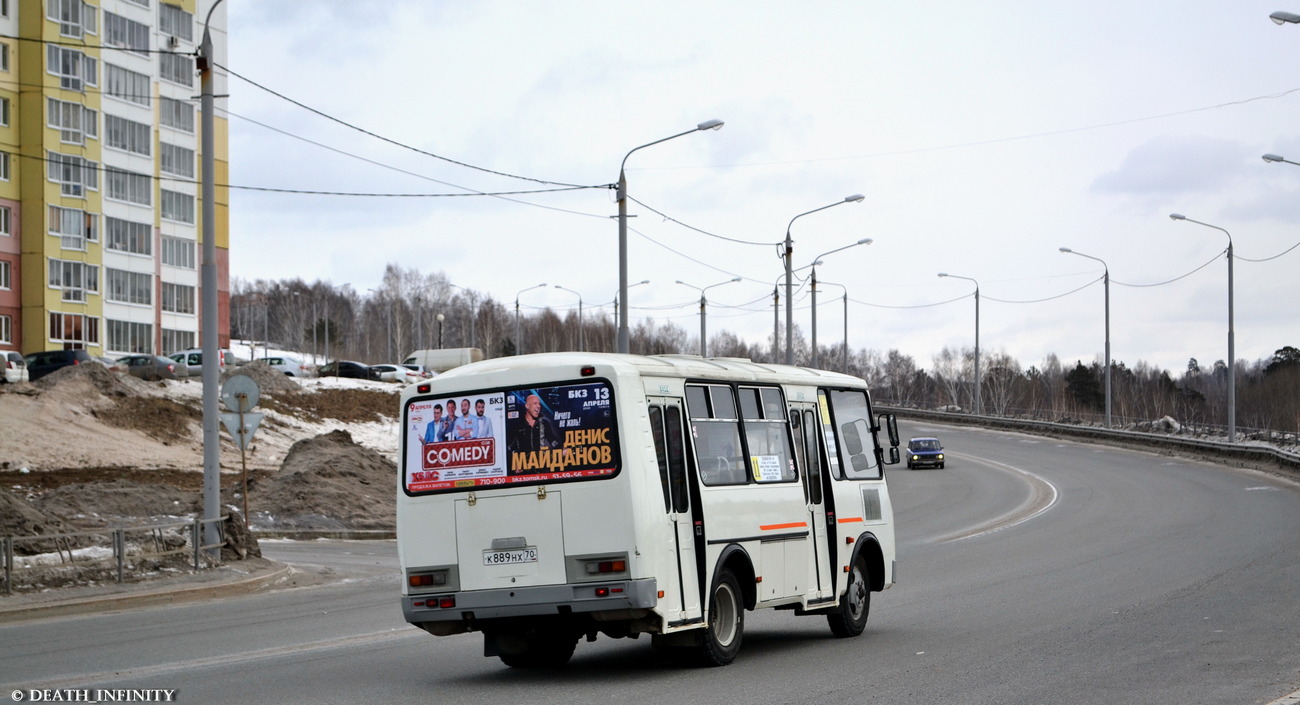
1259,455
132,543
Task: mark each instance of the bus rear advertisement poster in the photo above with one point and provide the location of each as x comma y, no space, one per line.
493,438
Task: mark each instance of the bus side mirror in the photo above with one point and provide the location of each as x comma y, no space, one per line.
891,425
893,455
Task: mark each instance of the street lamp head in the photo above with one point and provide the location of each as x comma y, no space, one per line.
1177,216
1066,249
943,274
1273,158
441,318
710,125
734,280
679,281
1281,17
864,241
855,198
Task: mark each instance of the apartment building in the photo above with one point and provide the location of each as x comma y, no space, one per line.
100,237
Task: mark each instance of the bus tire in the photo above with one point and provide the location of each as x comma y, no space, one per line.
543,651
850,617
720,641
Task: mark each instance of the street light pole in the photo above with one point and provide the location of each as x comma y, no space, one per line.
789,286
704,348
519,347
208,287
1232,345
1106,280
978,379
817,260
624,335
581,345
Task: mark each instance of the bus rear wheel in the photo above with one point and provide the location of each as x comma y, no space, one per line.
720,642
850,616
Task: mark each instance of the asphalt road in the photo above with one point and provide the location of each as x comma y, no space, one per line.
1030,571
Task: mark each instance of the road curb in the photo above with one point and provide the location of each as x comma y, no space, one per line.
32,607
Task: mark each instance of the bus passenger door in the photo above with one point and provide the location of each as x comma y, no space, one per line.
682,594
807,444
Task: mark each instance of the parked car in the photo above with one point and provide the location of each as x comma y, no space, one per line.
348,368
109,363
397,373
15,367
44,362
924,451
152,367
192,359
290,366
425,373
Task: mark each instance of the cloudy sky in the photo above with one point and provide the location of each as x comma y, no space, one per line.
984,136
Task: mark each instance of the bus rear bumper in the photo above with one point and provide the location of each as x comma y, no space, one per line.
460,612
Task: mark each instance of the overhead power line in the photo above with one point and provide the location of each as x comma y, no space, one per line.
394,142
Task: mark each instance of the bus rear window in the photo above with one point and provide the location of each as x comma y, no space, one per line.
510,436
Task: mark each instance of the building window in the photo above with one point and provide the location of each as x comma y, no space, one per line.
75,17
74,173
76,227
4,57
126,336
176,68
177,206
178,252
176,113
128,236
126,84
4,112
6,329
177,160
128,186
173,340
73,328
6,274
74,69
4,166
128,135
141,3
177,298
74,121
175,21
128,287
128,34
75,279
6,227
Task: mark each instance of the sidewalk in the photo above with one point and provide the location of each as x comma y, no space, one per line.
230,578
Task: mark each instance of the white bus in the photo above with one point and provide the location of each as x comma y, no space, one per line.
576,494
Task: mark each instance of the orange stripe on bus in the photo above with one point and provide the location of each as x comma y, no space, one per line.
851,520
791,525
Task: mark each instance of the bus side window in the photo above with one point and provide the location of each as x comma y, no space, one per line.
716,430
661,451
852,425
677,461
812,445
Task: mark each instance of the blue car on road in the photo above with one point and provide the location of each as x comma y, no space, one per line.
924,452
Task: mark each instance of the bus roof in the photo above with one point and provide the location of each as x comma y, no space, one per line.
682,366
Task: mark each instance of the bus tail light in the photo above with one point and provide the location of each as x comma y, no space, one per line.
588,370
423,388
426,580
606,566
